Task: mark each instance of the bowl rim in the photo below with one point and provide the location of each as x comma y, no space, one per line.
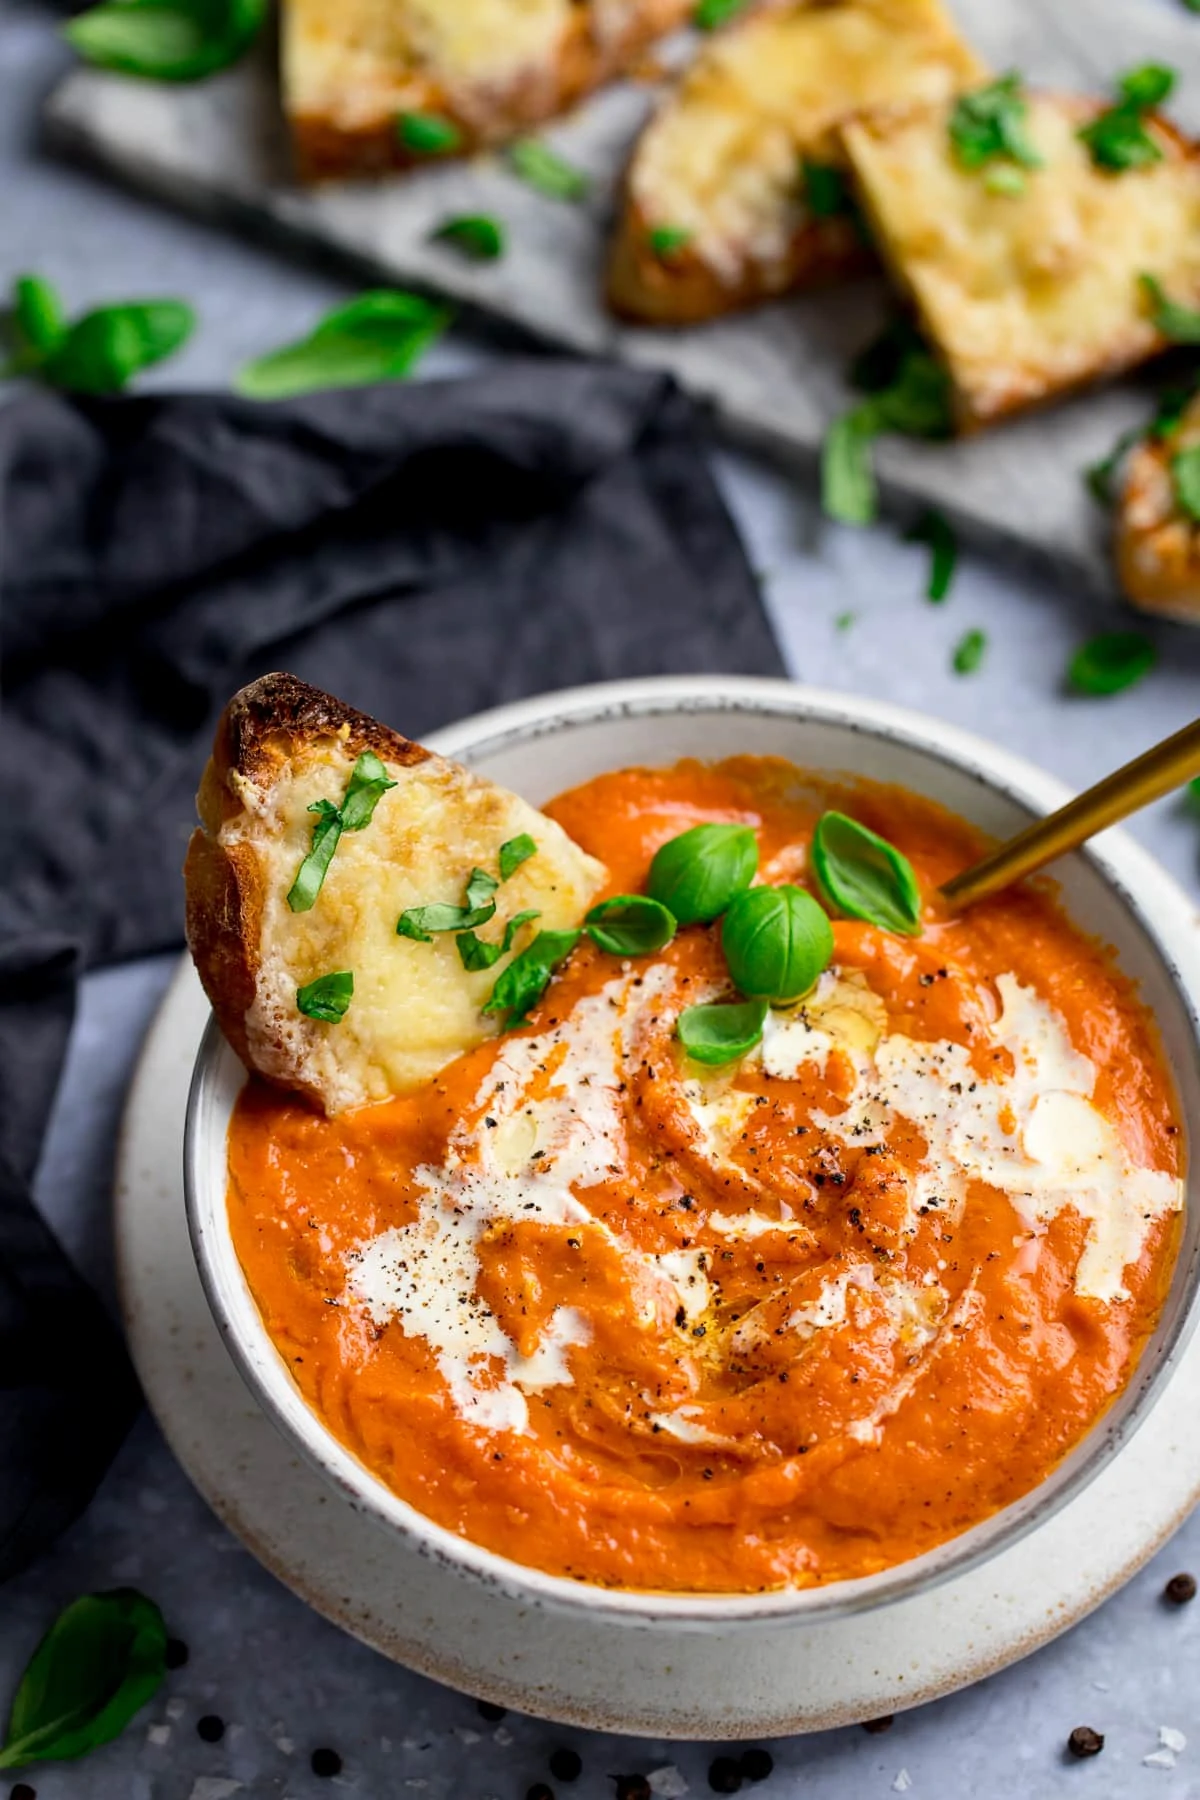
1122,866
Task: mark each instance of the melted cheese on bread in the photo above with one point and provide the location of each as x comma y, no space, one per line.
1031,293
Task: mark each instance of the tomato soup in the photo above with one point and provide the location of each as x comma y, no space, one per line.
646,1323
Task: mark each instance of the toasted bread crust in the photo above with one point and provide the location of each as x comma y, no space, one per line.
259,731
336,134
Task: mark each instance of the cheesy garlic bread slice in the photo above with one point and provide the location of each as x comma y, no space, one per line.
325,840
1157,539
736,190
1026,277
370,86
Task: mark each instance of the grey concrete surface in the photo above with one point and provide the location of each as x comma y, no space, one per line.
283,1679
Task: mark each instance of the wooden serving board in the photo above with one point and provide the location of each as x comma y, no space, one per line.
775,375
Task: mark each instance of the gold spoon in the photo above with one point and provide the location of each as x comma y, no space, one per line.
1167,766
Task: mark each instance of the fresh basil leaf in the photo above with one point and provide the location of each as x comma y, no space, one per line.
480,888
864,876
99,1663
1118,140
696,874
475,234
1179,323
665,241
312,871
166,40
847,475
711,13
969,652
630,925
327,998
1185,482
420,922
476,954
1192,789
989,124
844,621
1173,402
918,402
38,316
378,337
934,529
826,192
428,134
516,851
1101,475
721,1032
368,784
1111,662
101,352
1148,85
776,940
542,168
527,976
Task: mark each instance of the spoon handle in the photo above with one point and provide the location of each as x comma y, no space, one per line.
1167,766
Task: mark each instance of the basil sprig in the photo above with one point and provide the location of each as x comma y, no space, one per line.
864,876
516,851
542,168
98,353
1117,139
475,953
420,922
666,241
969,652
327,997
908,392
988,129
776,940
1111,662
166,40
695,875
934,529
630,925
1179,323
368,783
476,235
1185,482
527,976
378,337
99,1663
723,1031
428,134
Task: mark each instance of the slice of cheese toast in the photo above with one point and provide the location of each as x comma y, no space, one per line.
1157,543
482,70
718,211
1027,294
282,748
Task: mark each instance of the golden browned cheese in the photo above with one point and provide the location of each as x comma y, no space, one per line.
647,1325
1157,543
1029,294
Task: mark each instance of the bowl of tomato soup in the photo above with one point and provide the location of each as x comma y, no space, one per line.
630,1332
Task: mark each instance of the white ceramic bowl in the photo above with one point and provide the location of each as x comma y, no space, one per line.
1112,890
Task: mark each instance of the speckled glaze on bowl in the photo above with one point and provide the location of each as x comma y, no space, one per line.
727,1664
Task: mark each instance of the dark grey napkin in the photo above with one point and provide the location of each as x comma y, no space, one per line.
422,551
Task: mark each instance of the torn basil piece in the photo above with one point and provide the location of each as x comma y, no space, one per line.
327,998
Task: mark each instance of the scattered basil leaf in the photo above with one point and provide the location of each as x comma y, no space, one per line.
166,40
368,783
99,1663
969,652
776,940
1117,140
1179,323
527,976
721,1032
665,240
516,851
327,997
1185,481
1101,475
847,475
378,337
826,191
38,316
630,925
475,234
1148,85
989,125
844,621
477,954
427,134
542,168
312,871
909,393
1111,662
934,529
696,874
864,876
420,922
480,888
711,13
101,352
1192,789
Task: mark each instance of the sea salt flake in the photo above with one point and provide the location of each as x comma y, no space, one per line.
1171,1739
176,1708
466,1736
667,1783
214,1787
1159,1759
502,1736
159,1734
902,1782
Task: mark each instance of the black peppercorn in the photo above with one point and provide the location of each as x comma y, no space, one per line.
326,1762
488,1710
632,1787
875,1726
22,1791
539,1791
176,1653
724,1775
211,1728
757,1764
1180,1589
566,1765
1083,1741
